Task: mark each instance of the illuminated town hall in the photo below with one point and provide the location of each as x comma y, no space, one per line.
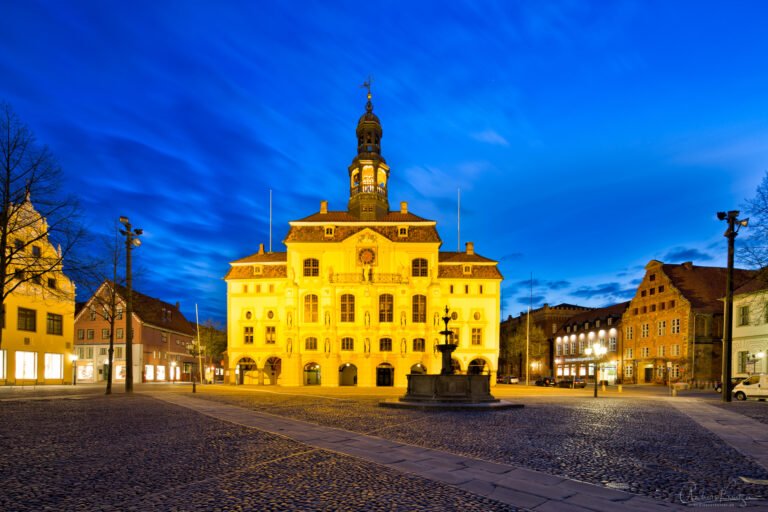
357,297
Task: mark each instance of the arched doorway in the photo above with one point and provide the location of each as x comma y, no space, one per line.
385,375
311,374
246,365
272,369
477,367
348,375
418,369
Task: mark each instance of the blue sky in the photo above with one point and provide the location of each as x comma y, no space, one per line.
586,137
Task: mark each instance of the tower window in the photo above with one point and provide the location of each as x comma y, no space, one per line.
311,267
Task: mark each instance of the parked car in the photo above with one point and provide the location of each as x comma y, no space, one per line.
755,386
545,381
507,379
570,382
734,381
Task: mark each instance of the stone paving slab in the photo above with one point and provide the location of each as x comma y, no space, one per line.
748,436
518,487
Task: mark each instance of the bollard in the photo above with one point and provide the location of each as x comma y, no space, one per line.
674,392
619,388
603,386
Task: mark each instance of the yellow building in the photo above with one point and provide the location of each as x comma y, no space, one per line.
37,343
357,297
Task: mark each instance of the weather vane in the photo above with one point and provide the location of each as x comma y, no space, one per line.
367,85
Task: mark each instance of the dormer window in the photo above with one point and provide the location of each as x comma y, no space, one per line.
467,269
257,270
329,230
402,231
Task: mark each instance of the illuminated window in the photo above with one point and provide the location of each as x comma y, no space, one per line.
386,308
477,336
662,328
675,326
105,334
26,365
630,353
675,350
54,366
81,334
119,333
311,267
644,331
248,334
270,335
645,352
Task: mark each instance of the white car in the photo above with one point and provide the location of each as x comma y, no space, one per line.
755,386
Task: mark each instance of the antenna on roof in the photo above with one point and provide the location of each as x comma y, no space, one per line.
458,222
270,220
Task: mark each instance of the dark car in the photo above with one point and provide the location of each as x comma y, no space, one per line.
507,379
545,381
734,381
570,382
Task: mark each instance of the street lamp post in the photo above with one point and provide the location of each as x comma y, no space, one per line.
734,224
599,351
73,357
173,372
131,241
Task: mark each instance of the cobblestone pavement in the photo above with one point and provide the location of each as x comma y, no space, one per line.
643,446
134,453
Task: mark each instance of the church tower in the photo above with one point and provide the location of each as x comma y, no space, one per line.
368,173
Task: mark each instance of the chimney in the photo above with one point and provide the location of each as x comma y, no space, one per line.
178,305
688,265
470,248
323,207
261,248
403,207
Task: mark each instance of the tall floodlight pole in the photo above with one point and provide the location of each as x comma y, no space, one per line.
131,241
733,229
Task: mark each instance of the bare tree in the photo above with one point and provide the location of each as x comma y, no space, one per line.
213,340
753,249
103,280
34,240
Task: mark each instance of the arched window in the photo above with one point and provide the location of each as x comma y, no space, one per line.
347,308
419,267
310,308
419,309
386,307
311,267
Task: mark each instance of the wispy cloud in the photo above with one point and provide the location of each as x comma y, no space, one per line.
490,137
679,254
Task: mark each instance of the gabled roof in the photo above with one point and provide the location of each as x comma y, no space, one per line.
703,287
153,311
263,257
420,233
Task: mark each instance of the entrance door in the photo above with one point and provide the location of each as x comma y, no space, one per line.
272,369
648,374
385,375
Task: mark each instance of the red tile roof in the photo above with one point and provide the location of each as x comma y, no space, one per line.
344,216
703,287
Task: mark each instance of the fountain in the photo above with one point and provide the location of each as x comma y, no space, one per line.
448,389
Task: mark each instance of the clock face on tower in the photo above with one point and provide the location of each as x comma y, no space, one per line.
367,256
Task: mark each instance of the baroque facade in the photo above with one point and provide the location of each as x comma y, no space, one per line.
38,314
358,295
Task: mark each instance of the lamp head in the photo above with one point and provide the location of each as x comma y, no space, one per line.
720,215
136,242
744,223
124,220
138,232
